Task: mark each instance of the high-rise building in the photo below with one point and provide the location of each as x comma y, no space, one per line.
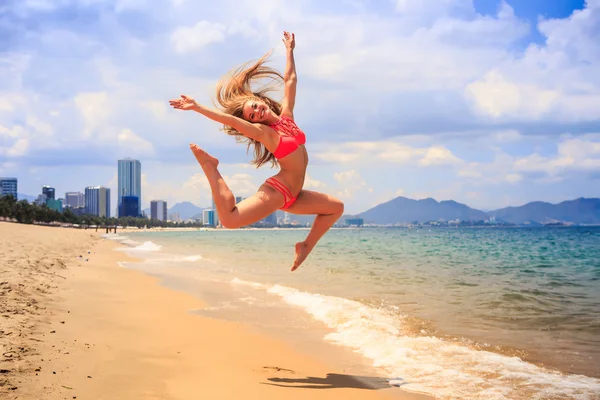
8,186
158,210
48,192
129,207
97,201
208,217
129,182
55,205
74,199
41,199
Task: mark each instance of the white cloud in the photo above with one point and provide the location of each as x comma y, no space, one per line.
387,151
191,38
499,171
39,5
497,97
350,182
158,109
310,183
397,153
513,178
5,105
510,135
574,154
94,108
434,8
438,156
39,126
473,195
18,148
15,142
442,47
197,187
124,5
554,81
193,188
136,145
351,176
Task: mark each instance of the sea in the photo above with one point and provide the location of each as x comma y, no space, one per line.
457,313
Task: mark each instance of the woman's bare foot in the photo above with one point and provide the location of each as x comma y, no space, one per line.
203,157
302,251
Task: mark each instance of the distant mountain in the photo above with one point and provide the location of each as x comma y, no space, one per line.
578,211
185,209
402,209
29,198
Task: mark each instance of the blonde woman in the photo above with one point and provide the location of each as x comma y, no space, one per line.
269,127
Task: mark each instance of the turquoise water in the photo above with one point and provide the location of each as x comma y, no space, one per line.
504,313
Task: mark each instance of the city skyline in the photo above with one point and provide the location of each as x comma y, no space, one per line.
573,211
95,199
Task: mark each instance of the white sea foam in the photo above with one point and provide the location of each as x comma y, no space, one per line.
428,364
113,236
129,242
238,281
146,246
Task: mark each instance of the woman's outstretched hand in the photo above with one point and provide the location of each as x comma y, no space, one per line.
183,103
289,39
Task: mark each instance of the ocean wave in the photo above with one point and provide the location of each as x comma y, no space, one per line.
427,364
146,246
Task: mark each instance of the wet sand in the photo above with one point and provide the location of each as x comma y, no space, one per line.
91,329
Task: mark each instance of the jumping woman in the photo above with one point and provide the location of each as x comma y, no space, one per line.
268,126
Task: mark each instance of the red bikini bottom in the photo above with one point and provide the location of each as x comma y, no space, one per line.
281,188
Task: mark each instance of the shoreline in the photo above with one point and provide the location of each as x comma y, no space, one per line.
104,330
486,344
304,228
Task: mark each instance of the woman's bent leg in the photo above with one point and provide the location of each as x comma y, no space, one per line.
328,209
231,215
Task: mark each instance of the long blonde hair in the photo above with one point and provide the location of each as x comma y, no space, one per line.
234,90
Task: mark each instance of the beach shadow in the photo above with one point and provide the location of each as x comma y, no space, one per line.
336,381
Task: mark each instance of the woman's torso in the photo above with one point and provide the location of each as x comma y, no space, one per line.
291,154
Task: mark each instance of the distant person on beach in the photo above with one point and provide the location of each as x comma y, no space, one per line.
268,126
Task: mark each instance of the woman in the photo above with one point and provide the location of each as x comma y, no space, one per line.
269,126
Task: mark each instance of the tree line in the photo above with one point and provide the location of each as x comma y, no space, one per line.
28,213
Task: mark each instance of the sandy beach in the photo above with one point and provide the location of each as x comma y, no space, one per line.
85,328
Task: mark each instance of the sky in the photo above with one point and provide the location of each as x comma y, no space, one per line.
489,103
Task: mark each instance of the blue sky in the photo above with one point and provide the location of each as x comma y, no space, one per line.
488,103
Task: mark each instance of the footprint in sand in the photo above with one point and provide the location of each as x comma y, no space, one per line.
278,369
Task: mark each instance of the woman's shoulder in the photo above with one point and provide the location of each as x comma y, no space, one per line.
287,114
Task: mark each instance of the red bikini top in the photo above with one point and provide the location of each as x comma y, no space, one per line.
290,137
